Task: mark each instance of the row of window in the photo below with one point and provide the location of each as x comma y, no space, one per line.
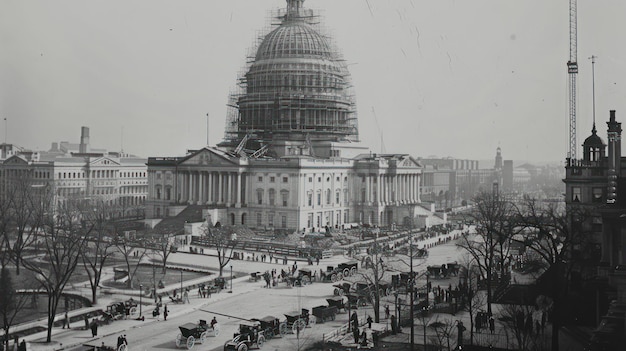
100,174
329,198
597,195
284,196
273,179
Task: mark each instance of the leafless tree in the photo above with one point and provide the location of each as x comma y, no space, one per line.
25,205
223,241
11,303
494,217
473,300
163,245
99,247
560,242
444,333
132,254
63,240
373,274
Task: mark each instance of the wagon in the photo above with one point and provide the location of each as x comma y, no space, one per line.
337,302
324,313
296,322
341,289
191,333
250,335
306,275
270,326
255,276
356,300
120,310
349,268
103,347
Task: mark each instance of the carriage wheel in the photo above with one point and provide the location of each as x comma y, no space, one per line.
332,317
269,333
122,348
387,291
133,312
333,278
179,340
190,342
341,292
216,330
261,341
308,280
346,272
312,321
361,301
298,325
203,337
339,276
282,329
352,271
242,347
336,292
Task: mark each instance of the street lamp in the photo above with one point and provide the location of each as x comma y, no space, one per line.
181,282
140,293
231,278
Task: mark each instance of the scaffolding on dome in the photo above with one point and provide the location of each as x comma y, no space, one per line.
294,86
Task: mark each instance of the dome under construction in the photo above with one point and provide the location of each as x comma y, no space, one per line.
296,88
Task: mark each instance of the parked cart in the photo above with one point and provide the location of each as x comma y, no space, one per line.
191,333
338,302
324,313
270,326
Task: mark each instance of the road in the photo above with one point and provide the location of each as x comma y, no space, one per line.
248,300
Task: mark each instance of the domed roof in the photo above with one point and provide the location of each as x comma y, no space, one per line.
594,139
294,38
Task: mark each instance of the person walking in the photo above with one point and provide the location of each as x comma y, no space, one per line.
22,346
186,296
492,324
66,321
386,311
94,327
165,312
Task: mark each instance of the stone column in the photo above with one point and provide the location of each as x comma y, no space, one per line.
220,188
378,189
238,201
368,189
229,180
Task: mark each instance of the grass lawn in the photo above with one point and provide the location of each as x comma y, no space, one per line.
148,275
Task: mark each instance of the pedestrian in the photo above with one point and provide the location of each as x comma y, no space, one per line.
165,312
124,340
492,324
120,342
478,321
355,333
369,322
393,325
66,321
317,260
22,345
94,327
86,318
186,296
386,311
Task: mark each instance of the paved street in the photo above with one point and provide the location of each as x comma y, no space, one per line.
248,300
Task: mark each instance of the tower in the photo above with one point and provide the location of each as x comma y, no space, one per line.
572,70
498,164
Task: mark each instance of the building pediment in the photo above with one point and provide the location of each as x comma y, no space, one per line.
103,161
209,157
409,162
15,160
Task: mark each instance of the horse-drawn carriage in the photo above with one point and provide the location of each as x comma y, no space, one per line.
103,347
120,310
443,271
341,289
296,322
369,290
400,282
250,335
270,326
338,302
191,333
335,274
255,276
305,275
324,313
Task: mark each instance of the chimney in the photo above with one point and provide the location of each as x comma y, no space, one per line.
615,154
84,140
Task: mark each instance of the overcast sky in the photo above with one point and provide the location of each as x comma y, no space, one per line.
447,77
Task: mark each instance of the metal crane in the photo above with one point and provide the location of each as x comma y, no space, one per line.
572,70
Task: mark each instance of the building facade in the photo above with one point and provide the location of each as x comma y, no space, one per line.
290,158
115,179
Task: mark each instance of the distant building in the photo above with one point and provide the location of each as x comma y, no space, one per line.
118,179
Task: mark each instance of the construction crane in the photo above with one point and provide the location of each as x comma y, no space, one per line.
572,70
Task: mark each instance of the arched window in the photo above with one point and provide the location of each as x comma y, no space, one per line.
272,196
328,197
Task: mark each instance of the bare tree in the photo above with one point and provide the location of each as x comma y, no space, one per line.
373,274
24,216
559,241
513,318
63,241
223,240
132,257
473,301
99,248
493,216
11,303
163,245
444,333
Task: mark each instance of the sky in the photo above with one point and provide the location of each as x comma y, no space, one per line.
445,78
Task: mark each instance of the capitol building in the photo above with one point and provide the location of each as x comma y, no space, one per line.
291,157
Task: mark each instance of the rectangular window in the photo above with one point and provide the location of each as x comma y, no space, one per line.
260,179
337,198
259,196
346,217
576,194
309,220
310,179
310,199
284,221
259,219
598,194
285,198
285,179
270,219
272,198
272,179
319,199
